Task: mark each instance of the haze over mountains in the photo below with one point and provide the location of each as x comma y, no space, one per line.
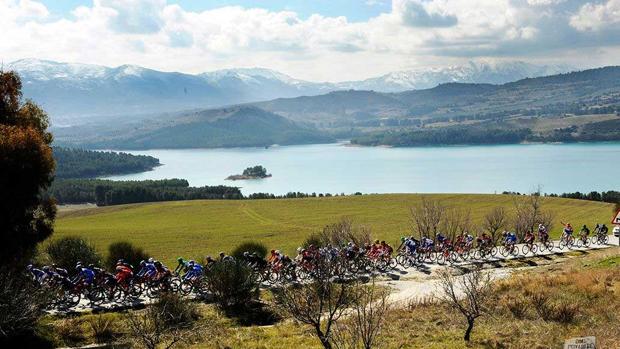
73,93
575,106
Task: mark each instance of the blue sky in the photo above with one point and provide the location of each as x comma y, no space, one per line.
344,40
354,10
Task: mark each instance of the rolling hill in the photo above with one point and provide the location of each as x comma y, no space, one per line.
197,228
242,126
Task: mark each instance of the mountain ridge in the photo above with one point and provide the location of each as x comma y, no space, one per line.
77,91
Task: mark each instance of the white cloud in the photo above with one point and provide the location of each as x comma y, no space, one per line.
165,36
594,17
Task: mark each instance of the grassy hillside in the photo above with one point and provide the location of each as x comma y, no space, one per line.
197,228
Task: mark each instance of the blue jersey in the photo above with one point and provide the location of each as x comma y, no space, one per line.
88,275
194,271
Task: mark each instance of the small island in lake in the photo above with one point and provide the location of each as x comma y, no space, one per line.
256,172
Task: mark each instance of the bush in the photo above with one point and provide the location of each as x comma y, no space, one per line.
175,311
125,250
517,305
71,331
232,283
21,305
565,311
102,326
258,248
66,252
313,239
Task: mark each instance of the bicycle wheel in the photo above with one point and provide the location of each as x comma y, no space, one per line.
534,249
587,242
440,259
525,249
504,251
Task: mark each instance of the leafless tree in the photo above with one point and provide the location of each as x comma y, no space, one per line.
343,232
529,213
319,303
427,217
365,318
467,294
167,323
495,221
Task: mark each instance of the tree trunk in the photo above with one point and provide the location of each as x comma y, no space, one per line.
323,338
470,326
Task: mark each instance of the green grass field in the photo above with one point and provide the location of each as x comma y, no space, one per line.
197,228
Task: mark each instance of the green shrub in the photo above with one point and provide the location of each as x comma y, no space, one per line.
256,247
67,251
127,251
233,284
175,311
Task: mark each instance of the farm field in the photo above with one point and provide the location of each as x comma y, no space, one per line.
195,229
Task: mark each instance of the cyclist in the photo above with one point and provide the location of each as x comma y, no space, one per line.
183,266
411,245
85,276
441,238
162,271
584,233
529,237
604,230
510,238
58,272
567,232
386,249
226,258
194,271
38,275
469,241
147,269
124,273
542,233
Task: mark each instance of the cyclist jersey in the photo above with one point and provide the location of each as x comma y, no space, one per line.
87,275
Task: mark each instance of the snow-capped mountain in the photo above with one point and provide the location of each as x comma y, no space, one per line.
472,72
69,90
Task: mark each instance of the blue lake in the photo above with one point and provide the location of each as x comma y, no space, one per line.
336,168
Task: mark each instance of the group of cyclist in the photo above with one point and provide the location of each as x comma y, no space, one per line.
377,255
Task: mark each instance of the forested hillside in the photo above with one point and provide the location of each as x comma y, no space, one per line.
80,163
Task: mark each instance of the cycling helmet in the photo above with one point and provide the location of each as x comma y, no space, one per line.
29,267
376,241
151,260
78,265
180,259
142,263
402,239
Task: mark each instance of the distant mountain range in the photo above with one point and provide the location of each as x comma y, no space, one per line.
73,93
580,105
